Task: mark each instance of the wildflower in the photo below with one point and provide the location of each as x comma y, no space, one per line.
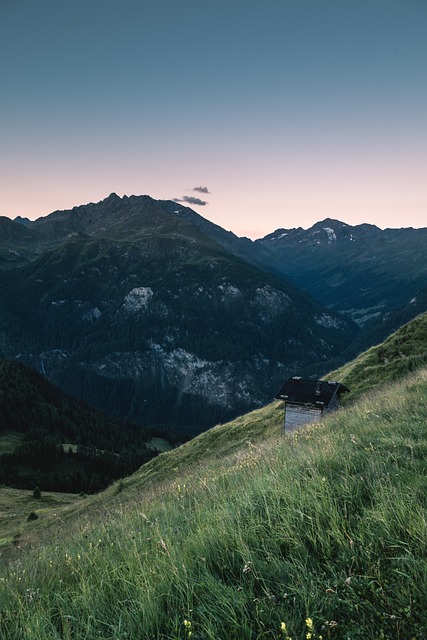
284,630
309,623
187,626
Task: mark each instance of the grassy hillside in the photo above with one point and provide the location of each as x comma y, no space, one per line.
16,507
404,351
244,534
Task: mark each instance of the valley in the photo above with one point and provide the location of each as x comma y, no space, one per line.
58,443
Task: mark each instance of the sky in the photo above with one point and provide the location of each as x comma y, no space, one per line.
259,114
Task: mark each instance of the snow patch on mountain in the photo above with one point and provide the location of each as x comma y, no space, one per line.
279,237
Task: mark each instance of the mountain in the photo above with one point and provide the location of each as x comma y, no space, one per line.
375,332
57,442
360,270
242,532
132,307
18,244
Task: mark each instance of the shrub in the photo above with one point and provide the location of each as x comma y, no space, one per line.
37,493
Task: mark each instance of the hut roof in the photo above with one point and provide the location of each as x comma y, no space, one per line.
317,393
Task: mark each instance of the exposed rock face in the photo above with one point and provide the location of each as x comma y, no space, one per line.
326,320
137,300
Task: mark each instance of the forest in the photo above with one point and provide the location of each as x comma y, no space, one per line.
60,443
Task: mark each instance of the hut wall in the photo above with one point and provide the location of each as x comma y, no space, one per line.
295,416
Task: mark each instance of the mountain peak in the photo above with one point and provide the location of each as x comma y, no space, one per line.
329,222
21,220
113,197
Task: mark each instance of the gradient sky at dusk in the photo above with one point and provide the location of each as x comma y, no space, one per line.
287,111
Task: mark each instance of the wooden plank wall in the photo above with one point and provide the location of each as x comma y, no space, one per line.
296,416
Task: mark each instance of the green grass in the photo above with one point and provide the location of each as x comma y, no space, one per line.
241,530
67,446
403,352
159,444
15,507
9,440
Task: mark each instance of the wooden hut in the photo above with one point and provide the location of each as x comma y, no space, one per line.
308,400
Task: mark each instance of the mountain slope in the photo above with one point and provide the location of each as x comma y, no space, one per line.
242,531
404,351
136,310
391,321
18,244
361,270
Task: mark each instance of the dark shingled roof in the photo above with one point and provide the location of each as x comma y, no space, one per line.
316,393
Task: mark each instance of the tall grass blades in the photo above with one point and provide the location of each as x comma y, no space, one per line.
317,535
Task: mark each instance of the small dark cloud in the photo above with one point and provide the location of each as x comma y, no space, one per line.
201,189
191,200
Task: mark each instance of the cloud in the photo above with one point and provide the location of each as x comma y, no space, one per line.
192,200
201,189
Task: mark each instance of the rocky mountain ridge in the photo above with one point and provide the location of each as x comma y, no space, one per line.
361,270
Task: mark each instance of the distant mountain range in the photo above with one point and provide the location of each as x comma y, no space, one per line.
155,315
362,271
